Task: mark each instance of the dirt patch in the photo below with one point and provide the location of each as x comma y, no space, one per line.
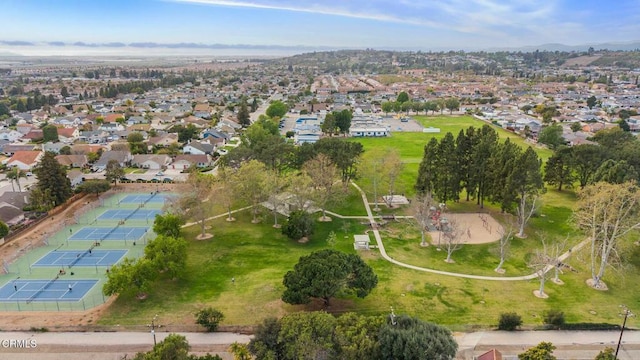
480,228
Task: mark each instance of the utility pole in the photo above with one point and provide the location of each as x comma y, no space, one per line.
153,327
626,313
393,317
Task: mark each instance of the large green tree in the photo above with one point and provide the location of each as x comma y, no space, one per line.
452,104
173,347
402,97
4,230
542,351
323,274
277,109
344,154
484,143
95,187
300,224
167,254
113,171
343,120
50,133
558,168
130,274
585,161
136,143
407,338
168,225
52,179
551,136
243,113
428,170
308,336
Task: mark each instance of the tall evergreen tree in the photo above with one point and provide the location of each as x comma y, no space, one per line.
502,163
558,169
447,181
526,183
428,168
463,156
243,114
53,178
487,139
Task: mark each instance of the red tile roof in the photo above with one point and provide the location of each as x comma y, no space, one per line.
25,157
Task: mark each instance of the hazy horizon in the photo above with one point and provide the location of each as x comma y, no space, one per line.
330,24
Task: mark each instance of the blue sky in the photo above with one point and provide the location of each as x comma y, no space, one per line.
418,24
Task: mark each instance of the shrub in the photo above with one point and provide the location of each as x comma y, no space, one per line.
300,224
509,321
554,318
209,318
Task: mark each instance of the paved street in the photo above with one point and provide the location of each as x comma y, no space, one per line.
570,344
114,345
105,345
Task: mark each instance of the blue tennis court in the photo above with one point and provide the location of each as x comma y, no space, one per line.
80,258
129,214
143,198
104,233
46,290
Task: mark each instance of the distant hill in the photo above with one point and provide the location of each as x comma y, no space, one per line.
626,46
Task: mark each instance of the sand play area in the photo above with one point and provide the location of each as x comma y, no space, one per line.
479,228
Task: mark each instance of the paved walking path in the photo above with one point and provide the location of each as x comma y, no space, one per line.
384,254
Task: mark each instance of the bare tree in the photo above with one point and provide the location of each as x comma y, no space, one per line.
381,166
423,210
607,213
452,232
393,167
506,234
545,259
300,186
195,199
275,185
372,169
226,197
249,185
324,175
527,206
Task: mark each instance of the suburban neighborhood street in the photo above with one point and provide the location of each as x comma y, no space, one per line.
115,345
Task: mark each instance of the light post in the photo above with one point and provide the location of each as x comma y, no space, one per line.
392,316
626,313
153,327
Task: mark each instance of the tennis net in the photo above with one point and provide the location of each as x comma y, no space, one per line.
43,288
81,255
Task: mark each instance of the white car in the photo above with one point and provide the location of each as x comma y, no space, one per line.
159,173
223,151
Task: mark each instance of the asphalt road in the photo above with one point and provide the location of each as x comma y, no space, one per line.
115,345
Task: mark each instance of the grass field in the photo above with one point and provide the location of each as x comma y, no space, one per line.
258,256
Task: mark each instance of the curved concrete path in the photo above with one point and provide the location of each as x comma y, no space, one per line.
384,254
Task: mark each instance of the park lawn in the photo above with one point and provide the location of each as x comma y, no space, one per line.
402,242
348,202
465,304
454,124
134,171
256,255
